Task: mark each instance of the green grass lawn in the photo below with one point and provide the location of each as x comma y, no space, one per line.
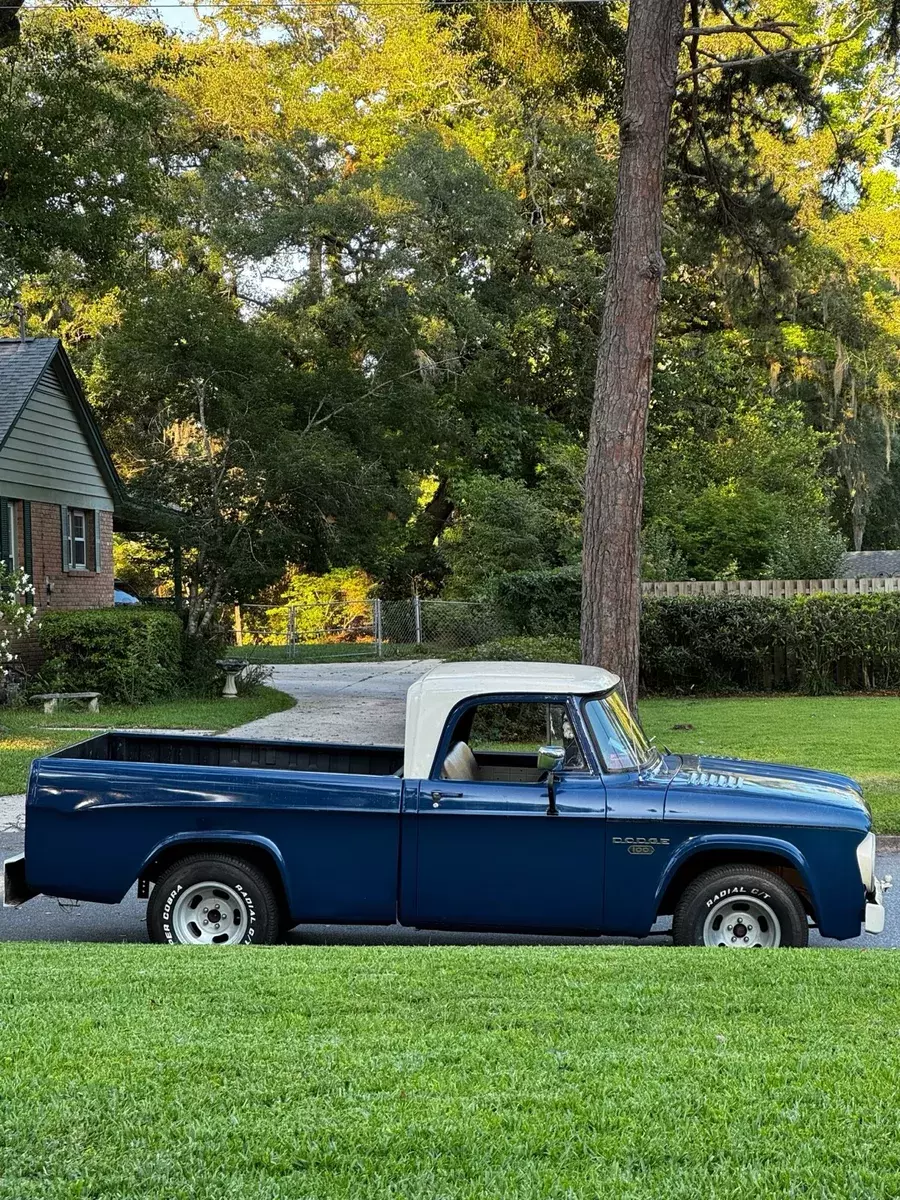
26,733
462,1073
857,735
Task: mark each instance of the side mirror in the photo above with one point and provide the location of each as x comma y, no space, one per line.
551,758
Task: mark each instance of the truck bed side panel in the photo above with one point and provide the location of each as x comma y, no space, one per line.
91,827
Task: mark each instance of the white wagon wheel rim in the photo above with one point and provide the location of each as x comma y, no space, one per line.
742,923
210,914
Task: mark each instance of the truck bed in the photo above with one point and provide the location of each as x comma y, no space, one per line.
200,750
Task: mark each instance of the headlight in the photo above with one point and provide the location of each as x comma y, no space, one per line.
865,856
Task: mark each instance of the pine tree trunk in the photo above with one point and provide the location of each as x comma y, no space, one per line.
614,482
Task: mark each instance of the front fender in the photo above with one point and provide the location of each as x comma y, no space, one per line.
232,839
737,843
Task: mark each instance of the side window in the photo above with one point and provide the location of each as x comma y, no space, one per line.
519,727
77,540
12,525
500,742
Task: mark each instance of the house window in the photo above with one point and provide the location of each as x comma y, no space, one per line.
77,540
13,531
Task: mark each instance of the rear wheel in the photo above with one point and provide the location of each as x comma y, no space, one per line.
740,907
213,900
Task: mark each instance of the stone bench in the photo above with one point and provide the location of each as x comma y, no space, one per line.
50,700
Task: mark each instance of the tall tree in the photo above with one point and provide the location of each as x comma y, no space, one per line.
772,54
614,480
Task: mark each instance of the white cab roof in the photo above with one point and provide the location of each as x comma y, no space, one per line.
431,699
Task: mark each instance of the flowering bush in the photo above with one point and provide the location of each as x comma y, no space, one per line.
17,615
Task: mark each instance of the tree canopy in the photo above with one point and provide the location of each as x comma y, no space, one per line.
334,279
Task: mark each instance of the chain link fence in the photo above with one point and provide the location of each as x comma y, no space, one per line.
363,629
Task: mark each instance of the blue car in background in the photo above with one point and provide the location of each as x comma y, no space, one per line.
526,798
122,594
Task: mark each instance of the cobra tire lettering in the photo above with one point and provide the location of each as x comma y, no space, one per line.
167,913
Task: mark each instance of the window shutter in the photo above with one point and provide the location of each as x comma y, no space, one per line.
98,555
5,545
64,526
26,537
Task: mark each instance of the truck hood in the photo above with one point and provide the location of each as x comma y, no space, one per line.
774,780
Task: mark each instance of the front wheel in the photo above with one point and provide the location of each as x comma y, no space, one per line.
740,908
212,900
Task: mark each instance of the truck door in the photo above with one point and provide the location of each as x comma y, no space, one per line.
488,854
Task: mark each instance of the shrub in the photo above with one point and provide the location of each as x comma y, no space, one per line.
809,644
541,603
524,649
199,674
334,607
499,525
131,654
709,643
720,643
17,614
809,550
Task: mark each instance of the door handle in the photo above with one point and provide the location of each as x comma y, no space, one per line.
437,797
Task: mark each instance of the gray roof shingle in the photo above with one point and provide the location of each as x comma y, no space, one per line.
869,564
21,366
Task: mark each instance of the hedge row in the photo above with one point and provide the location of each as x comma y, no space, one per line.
126,654
732,643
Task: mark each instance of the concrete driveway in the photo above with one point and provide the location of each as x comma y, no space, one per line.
341,702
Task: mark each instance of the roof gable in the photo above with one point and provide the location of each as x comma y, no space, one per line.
23,366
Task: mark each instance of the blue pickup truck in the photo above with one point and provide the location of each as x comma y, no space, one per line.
526,798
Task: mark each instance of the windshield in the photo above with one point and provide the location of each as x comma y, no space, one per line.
623,744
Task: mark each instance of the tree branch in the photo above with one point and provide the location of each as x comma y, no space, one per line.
695,31
753,38
730,63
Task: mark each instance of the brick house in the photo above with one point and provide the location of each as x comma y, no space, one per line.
58,485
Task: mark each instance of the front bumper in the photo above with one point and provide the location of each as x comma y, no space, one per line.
873,921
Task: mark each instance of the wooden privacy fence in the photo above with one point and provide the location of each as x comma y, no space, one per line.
779,589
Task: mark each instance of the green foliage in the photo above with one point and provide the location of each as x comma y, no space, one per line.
141,564
812,644
541,603
316,608
729,524
131,654
807,550
710,644
374,256
81,143
242,494
524,649
661,558
500,526
731,468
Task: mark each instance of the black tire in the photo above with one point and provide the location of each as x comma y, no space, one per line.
263,917
750,887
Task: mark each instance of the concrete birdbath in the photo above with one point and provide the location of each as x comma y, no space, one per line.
232,668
